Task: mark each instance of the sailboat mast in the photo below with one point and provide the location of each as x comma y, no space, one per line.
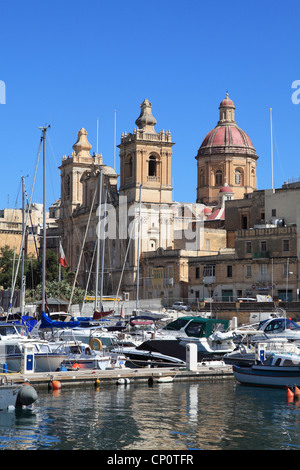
271,125
98,241
22,247
44,130
103,251
138,254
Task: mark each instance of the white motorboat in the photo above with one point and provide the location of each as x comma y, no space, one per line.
278,328
13,345
272,370
80,355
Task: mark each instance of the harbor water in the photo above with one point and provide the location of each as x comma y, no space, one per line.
178,416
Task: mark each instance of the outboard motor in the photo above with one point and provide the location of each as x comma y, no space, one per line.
26,396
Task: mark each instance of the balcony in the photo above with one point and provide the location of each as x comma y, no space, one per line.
261,254
209,279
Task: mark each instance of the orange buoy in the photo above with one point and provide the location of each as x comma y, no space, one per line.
75,366
56,385
297,392
289,393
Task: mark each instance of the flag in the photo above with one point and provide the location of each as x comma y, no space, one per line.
62,256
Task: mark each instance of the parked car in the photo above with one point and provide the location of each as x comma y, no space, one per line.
180,306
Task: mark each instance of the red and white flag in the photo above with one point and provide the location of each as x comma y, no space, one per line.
62,256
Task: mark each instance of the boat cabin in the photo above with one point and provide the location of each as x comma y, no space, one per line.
197,326
278,325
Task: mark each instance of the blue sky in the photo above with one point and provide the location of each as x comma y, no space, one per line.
68,63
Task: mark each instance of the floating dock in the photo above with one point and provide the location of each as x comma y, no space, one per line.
95,377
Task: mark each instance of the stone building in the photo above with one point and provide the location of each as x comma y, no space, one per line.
263,262
226,155
11,228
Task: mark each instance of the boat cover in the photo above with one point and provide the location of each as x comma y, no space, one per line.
46,322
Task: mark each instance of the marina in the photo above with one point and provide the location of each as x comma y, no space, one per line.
95,377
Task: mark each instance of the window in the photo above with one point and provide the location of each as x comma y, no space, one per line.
273,212
152,166
238,177
244,221
219,177
209,270
229,271
286,245
263,245
201,179
248,247
197,274
264,269
249,271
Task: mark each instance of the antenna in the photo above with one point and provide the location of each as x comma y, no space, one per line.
97,133
271,148
115,130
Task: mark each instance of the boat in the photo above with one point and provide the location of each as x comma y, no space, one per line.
279,370
171,342
82,356
281,327
14,345
16,396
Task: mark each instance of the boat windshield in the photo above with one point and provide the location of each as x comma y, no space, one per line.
6,330
278,325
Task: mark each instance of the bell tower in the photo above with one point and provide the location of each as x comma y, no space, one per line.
145,159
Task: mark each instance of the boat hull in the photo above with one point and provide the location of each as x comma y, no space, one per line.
42,362
268,376
81,363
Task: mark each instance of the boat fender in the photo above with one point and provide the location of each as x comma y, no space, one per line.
56,385
97,383
297,392
96,341
123,381
26,396
289,393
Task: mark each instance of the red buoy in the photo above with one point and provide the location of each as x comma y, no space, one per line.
289,394
297,392
56,385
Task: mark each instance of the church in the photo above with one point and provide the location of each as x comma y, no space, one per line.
145,228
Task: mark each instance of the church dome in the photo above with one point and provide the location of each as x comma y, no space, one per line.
226,189
226,137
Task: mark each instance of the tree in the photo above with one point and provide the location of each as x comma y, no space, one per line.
6,267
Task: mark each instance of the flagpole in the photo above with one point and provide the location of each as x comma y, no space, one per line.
59,264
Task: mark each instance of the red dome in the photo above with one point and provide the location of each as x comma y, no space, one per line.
227,102
226,189
227,136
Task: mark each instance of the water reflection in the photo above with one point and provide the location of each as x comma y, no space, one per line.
172,416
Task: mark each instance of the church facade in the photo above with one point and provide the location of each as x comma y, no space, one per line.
145,228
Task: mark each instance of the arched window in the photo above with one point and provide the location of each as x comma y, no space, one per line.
152,170
238,177
219,177
201,179
128,167
68,186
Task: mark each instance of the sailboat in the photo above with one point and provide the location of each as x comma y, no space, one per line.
99,312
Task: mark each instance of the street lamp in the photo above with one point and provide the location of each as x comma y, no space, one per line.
287,284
